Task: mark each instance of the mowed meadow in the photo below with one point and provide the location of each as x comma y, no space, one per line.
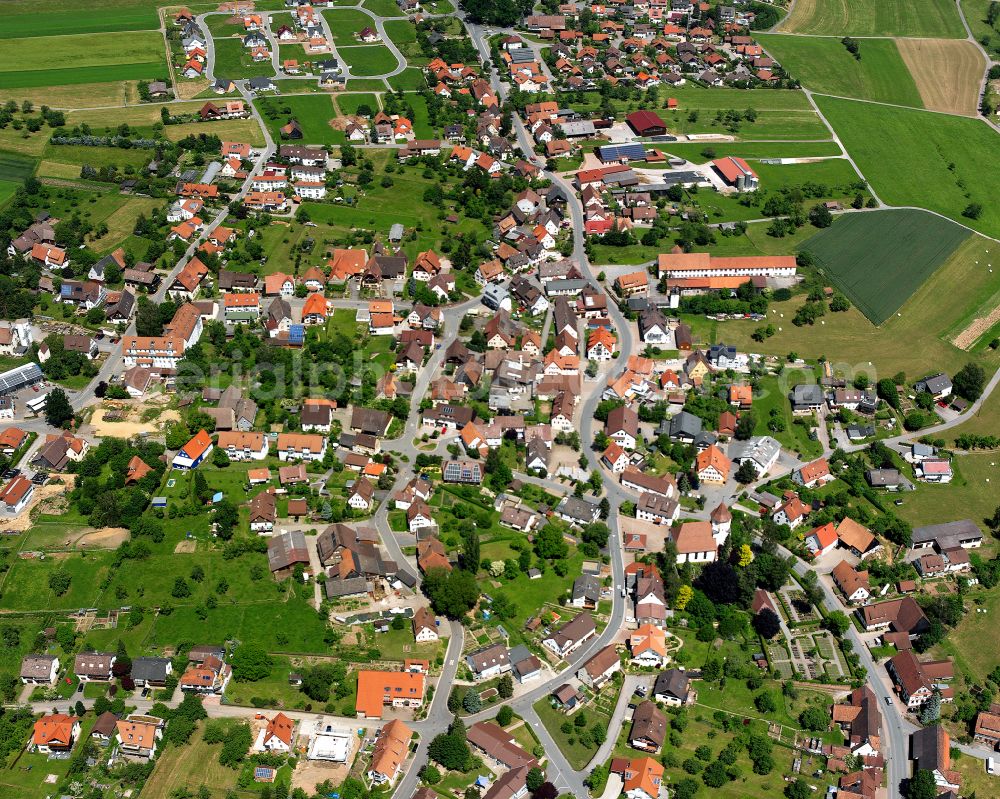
81,58
824,65
26,18
943,163
925,18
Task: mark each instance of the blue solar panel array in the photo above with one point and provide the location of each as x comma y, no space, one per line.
296,334
616,152
19,377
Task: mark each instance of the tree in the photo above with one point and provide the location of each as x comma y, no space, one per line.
931,711
746,555
764,702
799,789
430,775
820,216
814,718
715,775
505,688
219,458
747,473
886,390
181,589
471,702
505,715
449,750
684,594
968,382
58,411
534,779
745,426
921,785
837,623
973,211
59,582
250,663
452,593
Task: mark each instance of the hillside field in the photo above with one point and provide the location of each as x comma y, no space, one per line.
926,18
23,18
824,65
947,73
83,58
879,259
943,163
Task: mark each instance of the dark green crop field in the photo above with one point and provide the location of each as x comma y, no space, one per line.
879,258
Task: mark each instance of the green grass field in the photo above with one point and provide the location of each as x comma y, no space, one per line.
233,61
879,259
365,85
404,36
836,173
84,58
410,79
916,160
932,18
824,65
368,59
7,190
384,8
975,14
781,114
313,112
694,151
920,333
14,167
23,18
349,103
345,23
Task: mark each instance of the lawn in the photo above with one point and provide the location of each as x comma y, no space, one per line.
410,79
345,23
291,626
404,36
576,753
825,65
879,259
232,59
84,58
349,103
794,436
313,113
368,59
26,585
965,642
755,241
975,14
972,490
15,167
836,174
949,178
694,151
383,8
188,768
934,18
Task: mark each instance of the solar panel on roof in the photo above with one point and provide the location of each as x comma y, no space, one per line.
614,152
19,377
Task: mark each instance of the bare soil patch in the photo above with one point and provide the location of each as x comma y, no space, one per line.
947,73
105,538
124,419
976,330
185,547
310,773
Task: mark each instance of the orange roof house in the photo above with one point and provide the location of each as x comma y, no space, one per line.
642,778
137,469
55,731
712,465
376,689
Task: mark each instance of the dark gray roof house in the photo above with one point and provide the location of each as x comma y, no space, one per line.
671,684
586,591
685,427
151,671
